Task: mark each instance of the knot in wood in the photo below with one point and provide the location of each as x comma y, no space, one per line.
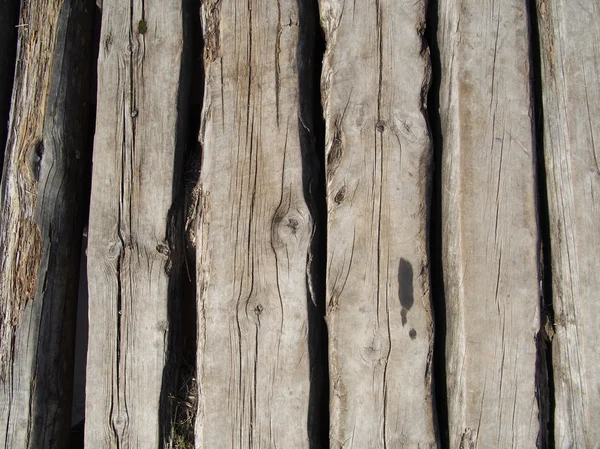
293,224
334,303
287,225
163,249
115,249
340,195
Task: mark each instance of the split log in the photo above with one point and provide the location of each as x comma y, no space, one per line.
490,235
9,12
570,56
254,230
44,203
132,249
378,159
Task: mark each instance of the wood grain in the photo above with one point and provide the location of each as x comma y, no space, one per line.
570,50
131,250
378,158
44,203
254,230
490,235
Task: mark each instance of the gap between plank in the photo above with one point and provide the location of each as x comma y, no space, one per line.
435,228
82,324
179,396
310,51
544,369
9,14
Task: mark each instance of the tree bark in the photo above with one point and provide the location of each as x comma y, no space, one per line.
490,232
255,230
133,248
378,167
570,56
44,203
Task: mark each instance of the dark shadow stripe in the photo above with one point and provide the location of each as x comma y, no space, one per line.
9,13
544,369
311,47
435,229
179,394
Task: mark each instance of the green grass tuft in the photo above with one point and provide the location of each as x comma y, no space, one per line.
142,27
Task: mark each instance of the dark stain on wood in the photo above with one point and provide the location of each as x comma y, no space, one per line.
405,285
335,153
35,159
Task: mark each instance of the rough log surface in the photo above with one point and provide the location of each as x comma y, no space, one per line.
570,53
44,199
378,167
490,237
132,254
9,12
254,230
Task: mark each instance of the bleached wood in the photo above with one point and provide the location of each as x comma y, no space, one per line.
131,241
378,158
570,53
43,206
490,237
254,230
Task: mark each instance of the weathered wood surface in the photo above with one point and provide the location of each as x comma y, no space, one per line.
43,208
254,230
490,238
378,166
131,257
570,53
9,13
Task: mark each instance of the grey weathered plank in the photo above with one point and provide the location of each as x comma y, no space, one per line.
254,230
378,159
9,12
44,198
131,253
490,238
570,56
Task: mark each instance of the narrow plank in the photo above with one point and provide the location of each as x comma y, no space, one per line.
44,203
9,13
490,238
131,249
570,56
378,160
254,231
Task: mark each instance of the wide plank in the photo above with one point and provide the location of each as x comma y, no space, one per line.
44,204
490,236
254,230
132,252
378,168
570,57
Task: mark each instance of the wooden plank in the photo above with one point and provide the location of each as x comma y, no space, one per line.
131,250
9,13
254,231
44,203
490,237
378,159
570,56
